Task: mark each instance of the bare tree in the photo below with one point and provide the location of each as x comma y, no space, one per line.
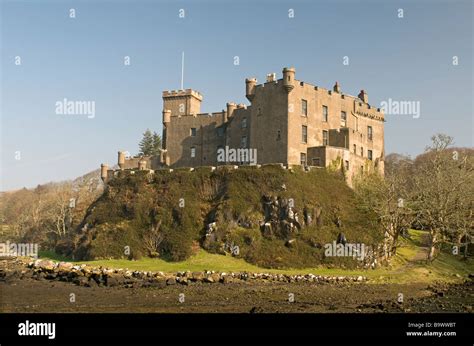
387,198
442,191
152,239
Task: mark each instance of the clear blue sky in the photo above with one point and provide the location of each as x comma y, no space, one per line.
82,59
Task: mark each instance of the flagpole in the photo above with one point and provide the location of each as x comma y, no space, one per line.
182,71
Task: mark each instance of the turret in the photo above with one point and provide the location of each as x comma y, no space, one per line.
103,171
166,116
121,159
142,164
166,121
231,106
289,78
363,96
250,84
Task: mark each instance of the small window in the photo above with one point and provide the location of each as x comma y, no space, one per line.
369,154
325,114
362,151
355,149
304,108
343,119
316,161
369,132
193,151
243,142
325,138
346,165
193,131
304,134
278,135
303,159
244,123
220,131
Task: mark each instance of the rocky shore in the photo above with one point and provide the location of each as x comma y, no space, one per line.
88,276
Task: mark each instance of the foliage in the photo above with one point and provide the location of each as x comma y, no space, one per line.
150,143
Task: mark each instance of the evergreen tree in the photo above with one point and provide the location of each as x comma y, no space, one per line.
156,144
146,145
150,143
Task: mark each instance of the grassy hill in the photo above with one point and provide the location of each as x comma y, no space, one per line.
172,209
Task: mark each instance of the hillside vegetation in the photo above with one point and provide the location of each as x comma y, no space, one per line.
409,265
171,215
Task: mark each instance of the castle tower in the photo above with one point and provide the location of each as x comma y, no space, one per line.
182,102
166,121
231,106
250,84
121,159
142,164
103,171
289,78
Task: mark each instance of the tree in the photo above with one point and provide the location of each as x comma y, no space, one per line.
146,144
156,144
150,143
441,191
387,198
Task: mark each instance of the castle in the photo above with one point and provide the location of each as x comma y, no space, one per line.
288,121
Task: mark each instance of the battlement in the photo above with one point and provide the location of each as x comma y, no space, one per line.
181,93
113,173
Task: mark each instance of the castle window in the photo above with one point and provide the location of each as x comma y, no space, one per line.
346,165
243,142
278,135
325,114
193,151
343,119
304,107
303,159
362,151
369,132
220,131
325,137
355,149
193,132
244,123
316,161
369,154
304,134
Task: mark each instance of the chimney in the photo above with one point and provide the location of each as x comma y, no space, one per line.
271,77
363,96
337,88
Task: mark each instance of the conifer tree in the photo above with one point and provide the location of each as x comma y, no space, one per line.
146,144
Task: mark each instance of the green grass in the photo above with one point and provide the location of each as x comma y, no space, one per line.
52,256
408,266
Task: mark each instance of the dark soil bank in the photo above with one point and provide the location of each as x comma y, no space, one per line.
29,295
